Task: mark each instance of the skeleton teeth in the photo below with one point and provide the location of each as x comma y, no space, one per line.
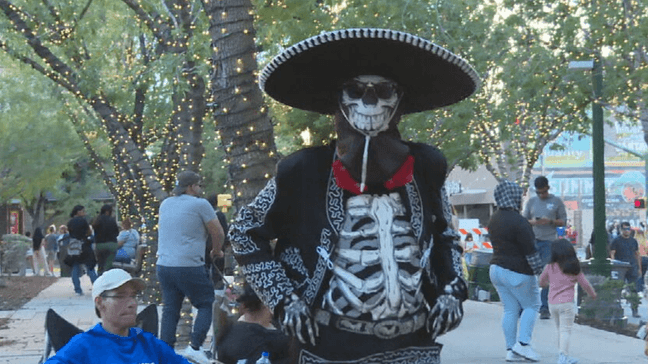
369,122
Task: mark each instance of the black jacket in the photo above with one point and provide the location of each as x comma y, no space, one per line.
105,229
513,239
304,209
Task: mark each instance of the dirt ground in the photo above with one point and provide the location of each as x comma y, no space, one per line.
17,291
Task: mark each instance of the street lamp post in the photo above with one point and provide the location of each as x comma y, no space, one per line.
600,264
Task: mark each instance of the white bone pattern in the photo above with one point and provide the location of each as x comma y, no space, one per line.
376,263
369,119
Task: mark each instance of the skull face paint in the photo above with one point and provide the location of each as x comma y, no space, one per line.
369,102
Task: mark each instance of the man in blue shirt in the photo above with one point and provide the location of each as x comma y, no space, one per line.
626,249
115,339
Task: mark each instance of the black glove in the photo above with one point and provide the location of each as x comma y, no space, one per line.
447,312
296,320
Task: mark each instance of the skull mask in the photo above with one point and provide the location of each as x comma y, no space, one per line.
369,102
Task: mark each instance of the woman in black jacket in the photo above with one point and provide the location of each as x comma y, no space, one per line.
105,238
514,266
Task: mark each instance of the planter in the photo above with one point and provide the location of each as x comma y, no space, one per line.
479,284
607,307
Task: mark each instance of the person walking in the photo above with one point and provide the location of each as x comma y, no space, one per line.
185,220
51,247
514,266
626,249
561,276
38,249
79,230
105,234
545,213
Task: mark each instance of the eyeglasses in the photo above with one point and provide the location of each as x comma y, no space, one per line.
123,297
357,89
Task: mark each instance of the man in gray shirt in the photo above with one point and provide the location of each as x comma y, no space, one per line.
545,213
185,220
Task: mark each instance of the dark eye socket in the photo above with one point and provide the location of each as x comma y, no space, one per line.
354,90
383,90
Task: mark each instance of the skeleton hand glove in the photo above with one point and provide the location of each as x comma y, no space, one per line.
447,313
297,320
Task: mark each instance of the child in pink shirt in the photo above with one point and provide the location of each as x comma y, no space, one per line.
561,275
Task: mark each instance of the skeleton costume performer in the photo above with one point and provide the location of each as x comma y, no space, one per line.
364,269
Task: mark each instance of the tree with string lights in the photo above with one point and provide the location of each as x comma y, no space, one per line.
522,51
148,77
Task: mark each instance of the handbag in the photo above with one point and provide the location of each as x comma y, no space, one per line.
122,254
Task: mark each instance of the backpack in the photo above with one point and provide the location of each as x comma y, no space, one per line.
74,247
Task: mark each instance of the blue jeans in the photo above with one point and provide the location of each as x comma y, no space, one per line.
76,273
544,249
176,284
520,295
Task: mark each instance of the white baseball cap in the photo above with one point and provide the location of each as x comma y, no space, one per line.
113,279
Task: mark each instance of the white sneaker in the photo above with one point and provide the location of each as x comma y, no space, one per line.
513,357
195,356
564,359
526,351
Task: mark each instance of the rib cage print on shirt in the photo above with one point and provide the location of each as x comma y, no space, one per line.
376,268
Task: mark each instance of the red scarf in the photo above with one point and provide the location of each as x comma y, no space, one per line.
402,177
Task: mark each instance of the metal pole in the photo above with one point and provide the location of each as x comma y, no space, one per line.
600,264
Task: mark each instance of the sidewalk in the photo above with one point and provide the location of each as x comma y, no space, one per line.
478,340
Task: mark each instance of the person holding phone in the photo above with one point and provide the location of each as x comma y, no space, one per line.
545,213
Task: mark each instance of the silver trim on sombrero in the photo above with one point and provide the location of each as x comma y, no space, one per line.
360,33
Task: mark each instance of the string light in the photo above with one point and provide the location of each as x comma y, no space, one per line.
168,66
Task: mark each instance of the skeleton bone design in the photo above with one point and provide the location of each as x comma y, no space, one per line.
376,266
369,113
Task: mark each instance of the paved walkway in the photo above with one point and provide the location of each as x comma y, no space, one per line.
479,339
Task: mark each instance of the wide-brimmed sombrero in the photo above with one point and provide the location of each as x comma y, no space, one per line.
309,74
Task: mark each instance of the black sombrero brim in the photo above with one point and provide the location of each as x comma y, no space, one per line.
309,74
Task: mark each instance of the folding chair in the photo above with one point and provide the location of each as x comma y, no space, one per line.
58,331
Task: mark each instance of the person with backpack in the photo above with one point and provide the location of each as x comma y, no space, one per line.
79,249
561,275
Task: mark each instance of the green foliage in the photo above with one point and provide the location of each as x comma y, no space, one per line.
521,49
606,307
631,296
37,142
13,249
